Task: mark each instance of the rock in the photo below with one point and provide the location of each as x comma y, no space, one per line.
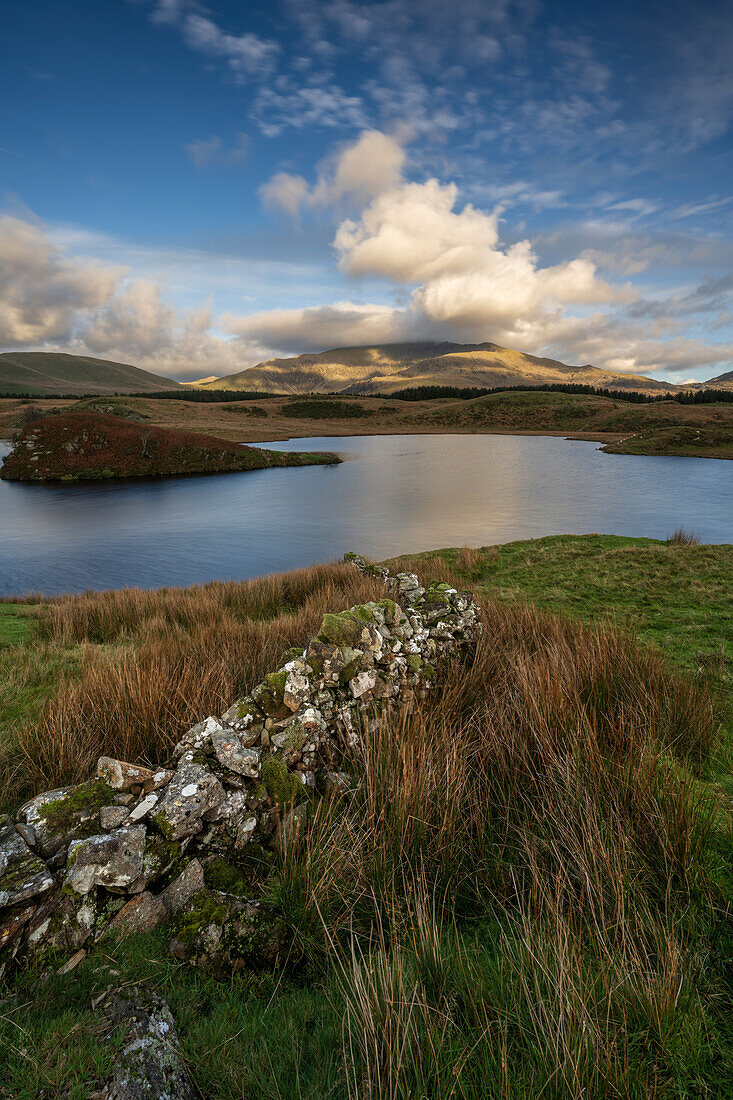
13,921
61,922
143,808
198,737
22,874
122,776
182,890
269,695
191,793
149,1065
59,816
232,754
362,683
297,689
244,832
245,718
228,931
336,783
113,859
141,914
111,817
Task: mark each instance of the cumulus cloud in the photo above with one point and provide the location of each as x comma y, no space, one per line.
42,291
50,300
359,172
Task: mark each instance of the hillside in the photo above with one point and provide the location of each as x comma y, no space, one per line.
50,372
384,368
94,446
722,382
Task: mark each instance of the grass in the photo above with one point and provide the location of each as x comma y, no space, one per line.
666,427
526,897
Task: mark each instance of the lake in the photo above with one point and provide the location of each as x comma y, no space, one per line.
392,494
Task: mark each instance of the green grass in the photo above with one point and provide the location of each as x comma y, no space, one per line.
676,597
14,623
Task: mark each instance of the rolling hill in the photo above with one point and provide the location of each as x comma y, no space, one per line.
382,369
722,382
50,372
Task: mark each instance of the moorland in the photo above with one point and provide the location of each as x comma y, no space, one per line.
533,899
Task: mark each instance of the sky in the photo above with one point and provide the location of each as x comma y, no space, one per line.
194,188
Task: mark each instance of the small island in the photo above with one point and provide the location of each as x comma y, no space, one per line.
91,446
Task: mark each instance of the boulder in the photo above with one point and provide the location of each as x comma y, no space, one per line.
180,892
22,874
59,816
141,914
191,793
122,776
112,859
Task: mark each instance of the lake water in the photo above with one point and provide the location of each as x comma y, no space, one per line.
393,494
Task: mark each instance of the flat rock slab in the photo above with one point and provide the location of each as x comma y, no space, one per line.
113,859
191,793
149,1066
122,776
22,874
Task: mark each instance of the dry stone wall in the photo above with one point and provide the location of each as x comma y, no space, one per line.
135,847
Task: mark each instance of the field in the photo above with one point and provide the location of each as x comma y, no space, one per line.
616,423
532,900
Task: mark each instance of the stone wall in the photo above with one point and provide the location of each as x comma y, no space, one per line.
185,844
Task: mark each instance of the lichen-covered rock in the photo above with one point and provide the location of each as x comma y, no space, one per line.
180,892
111,817
192,792
112,859
198,737
59,816
141,913
269,696
228,931
246,719
234,755
149,1066
122,776
22,874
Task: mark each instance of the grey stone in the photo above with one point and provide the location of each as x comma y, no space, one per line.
183,888
114,859
149,1065
232,754
142,913
22,874
111,817
58,816
191,793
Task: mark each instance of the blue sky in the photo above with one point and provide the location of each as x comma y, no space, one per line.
195,187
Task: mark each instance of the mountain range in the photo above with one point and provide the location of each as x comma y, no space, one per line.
378,369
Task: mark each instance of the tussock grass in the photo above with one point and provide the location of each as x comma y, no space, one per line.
682,537
545,797
148,664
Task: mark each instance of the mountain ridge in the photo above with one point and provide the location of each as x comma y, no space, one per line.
384,368
55,372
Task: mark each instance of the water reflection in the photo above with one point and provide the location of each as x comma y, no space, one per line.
395,494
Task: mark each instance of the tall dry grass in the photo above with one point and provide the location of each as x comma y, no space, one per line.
546,791
151,663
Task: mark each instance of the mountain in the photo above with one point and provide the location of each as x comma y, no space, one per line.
51,372
385,368
722,382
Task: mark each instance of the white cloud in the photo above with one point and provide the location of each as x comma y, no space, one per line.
42,291
207,152
359,172
247,55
